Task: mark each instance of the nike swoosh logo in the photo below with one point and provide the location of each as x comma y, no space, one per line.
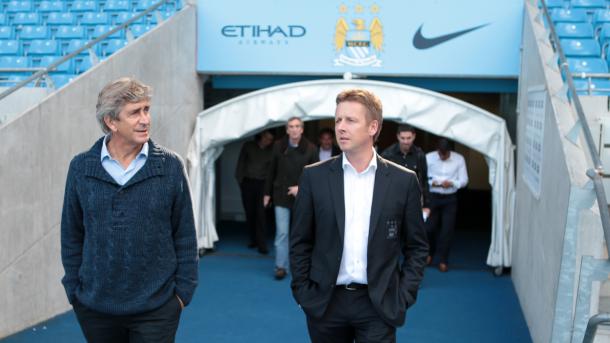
420,42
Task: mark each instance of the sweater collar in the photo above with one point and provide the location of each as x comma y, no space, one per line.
154,165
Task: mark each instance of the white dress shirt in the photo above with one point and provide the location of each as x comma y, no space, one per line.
358,195
324,155
115,169
452,169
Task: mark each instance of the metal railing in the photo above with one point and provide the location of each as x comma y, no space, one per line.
43,72
594,322
597,172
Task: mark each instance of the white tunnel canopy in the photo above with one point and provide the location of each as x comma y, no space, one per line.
313,100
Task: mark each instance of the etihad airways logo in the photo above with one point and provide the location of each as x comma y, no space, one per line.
263,34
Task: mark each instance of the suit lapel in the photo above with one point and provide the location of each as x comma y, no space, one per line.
337,193
380,189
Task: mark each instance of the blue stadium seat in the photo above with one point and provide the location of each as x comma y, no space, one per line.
99,30
56,18
592,86
44,61
70,32
172,6
144,4
82,64
51,6
117,5
600,17
587,65
84,6
567,15
20,6
7,62
574,30
3,19
555,4
580,47
34,32
122,17
76,44
60,80
138,30
604,34
588,4
7,32
95,18
26,18
9,47
10,80
110,46
43,47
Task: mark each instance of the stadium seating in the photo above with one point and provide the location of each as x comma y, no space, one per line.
574,30
569,15
580,47
587,65
35,33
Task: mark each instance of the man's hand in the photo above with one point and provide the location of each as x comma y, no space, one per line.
293,190
447,184
180,301
266,200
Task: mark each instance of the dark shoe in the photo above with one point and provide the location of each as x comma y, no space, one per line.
251,245
263,251
428,260
280,273
443,267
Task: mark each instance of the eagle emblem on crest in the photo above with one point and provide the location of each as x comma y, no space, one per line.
356,44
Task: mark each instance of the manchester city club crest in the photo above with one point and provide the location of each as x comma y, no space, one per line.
358,36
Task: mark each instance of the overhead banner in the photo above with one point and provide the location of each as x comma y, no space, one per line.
442,38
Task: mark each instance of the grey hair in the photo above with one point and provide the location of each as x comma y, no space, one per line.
115,95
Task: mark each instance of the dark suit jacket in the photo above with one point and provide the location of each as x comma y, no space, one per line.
397,246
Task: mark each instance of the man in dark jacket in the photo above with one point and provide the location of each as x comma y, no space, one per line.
128,242
290,155
410,156
251,173
327,147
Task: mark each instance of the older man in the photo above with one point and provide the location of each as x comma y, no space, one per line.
290,155
128,241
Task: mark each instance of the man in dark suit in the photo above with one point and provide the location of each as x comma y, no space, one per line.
358,244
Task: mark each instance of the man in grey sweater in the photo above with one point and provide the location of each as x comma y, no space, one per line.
128,241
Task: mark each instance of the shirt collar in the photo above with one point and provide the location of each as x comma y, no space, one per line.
372,164
106,155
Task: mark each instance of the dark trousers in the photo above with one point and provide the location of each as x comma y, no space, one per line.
441,224
252,192
350,317
156,326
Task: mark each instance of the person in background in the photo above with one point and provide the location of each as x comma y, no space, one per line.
251,173
407,154
290,155
446,174
326,145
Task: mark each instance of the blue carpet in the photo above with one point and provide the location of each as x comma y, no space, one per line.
239,301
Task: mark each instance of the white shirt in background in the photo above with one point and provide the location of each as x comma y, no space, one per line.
452,169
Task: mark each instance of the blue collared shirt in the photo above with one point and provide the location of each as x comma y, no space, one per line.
115,169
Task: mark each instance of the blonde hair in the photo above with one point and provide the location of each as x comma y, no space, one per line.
369,100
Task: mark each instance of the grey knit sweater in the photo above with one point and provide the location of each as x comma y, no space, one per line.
128,249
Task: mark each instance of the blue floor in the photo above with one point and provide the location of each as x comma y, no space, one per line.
239,301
